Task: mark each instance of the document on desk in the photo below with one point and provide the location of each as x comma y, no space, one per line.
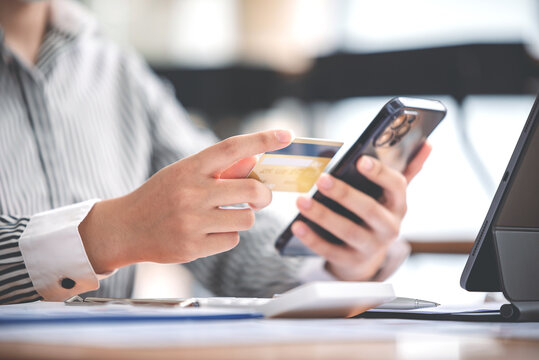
55,312
313,300
482,312
318,299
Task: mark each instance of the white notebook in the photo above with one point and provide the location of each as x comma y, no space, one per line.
335,299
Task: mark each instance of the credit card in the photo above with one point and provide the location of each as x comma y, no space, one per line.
296,167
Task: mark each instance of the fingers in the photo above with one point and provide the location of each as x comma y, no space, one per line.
327,250
240,169
221,230
392,182
237,191
230,220
375,215
219,157
417,163
220,242
356,236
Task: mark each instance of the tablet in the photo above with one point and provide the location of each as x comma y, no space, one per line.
515,205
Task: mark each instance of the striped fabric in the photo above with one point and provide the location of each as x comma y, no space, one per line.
15,284
91,121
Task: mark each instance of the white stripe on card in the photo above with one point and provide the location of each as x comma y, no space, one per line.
286,161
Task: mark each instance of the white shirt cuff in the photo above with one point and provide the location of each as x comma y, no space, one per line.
54,255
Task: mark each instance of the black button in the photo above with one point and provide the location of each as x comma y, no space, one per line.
67,283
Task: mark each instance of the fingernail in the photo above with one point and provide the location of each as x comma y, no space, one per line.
299,229
284,136
304,203
325,182
366,163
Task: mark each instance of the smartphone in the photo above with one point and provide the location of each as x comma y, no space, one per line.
394,137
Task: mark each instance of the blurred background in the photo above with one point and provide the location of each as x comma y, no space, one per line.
325,67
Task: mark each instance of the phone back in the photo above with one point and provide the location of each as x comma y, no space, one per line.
394,136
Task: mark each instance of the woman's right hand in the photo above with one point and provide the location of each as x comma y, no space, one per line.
175,216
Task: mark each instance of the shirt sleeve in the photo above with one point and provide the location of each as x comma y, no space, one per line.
174,135
15,283
47,259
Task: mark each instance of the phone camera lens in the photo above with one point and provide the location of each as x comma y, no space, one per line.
399,120
410,116
400,132
384,138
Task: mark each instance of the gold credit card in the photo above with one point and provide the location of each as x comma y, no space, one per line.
296,167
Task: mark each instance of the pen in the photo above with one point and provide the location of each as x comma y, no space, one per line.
401,303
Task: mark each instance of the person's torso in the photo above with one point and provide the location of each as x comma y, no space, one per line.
71,129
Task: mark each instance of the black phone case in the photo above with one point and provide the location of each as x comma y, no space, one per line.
420,115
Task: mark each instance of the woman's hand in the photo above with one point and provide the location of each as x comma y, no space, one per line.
175,216
366,245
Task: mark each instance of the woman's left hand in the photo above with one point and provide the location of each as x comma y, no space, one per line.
366,245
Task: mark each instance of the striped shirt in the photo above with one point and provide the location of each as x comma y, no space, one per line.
90,120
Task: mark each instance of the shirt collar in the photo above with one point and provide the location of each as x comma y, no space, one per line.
4,54
71,18
67,17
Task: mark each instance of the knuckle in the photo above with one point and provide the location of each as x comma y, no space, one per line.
231,241
267,139
393,232
341,191
230,146
370,206
259,191
318,211
377,167
253,188
349,233
248,219
400,182
269,196
389,232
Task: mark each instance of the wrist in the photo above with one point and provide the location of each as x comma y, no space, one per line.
360,270
103,236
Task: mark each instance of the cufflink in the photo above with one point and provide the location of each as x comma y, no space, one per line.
67,283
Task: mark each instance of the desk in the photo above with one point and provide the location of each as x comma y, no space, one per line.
278,339
407,349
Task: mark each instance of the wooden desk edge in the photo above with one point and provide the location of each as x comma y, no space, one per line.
469,348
